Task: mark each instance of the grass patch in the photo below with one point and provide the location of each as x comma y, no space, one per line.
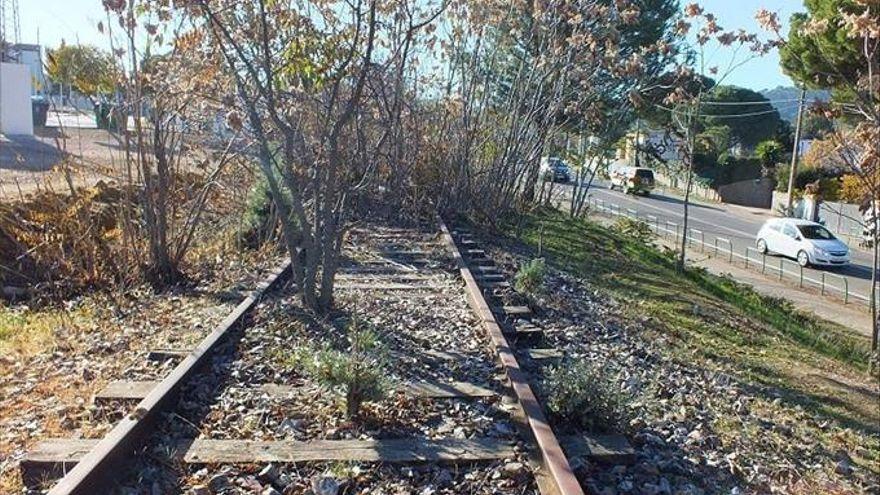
25,332
704,316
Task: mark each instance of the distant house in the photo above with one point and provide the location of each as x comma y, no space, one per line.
652,143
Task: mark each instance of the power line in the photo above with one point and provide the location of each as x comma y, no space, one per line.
744,103
717,116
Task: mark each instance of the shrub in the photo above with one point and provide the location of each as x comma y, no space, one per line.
582,395
805,175
635,229
853,189
359,371
258,222
530,277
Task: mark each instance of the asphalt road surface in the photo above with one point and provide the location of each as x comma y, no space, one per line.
736,223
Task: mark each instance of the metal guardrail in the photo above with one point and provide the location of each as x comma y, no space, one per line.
722,240
698,237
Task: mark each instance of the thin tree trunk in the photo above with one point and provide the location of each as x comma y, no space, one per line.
691,144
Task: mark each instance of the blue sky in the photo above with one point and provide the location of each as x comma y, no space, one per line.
50,21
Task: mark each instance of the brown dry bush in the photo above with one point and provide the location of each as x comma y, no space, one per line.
55,244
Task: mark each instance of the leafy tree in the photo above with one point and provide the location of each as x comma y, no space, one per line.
758,121
822,58
816,125
85,68
769,152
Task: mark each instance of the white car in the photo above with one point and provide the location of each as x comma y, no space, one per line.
808,242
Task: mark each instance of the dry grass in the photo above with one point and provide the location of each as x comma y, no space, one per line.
25,333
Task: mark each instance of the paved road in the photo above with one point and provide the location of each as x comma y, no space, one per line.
736,223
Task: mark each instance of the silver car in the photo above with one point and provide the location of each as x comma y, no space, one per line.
808,242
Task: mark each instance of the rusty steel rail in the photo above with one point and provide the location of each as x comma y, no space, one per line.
553,458
93,473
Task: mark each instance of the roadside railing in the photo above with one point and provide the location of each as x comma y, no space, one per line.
828,284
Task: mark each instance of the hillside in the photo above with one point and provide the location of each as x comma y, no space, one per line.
788,95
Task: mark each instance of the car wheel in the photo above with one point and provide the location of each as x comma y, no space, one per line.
803,258
762,246
611,186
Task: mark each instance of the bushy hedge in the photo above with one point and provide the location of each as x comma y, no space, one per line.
829,180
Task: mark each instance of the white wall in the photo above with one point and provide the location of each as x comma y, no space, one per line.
15,100
31,58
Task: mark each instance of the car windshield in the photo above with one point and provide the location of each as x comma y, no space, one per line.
815,232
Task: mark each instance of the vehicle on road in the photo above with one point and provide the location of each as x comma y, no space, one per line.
807,242
636,180
555,170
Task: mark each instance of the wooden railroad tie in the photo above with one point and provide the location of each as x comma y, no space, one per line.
398,276
402,253
489,277
484,262
137,390
51,458
526,333
542,354
609,449
403,236
515,311
391,286
374,269
484,270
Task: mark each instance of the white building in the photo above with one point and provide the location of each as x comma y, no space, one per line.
16,116
31,56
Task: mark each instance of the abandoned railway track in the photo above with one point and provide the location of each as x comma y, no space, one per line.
237,413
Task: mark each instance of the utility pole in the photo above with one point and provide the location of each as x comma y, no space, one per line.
794,155
638,138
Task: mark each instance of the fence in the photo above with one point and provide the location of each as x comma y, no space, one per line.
750,257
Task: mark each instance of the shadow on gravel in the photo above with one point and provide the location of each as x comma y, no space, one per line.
27,153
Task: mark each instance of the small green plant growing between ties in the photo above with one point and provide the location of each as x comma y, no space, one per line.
581,394
358,371
530,277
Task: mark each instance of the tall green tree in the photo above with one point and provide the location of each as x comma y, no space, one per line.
733,107
823,58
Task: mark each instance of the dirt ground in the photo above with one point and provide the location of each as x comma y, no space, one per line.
32,163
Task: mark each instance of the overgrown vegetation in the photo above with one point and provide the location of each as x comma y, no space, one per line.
24,332
529,279
635,229
54,246
582,395
259,221
58,244
714,318
358,371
